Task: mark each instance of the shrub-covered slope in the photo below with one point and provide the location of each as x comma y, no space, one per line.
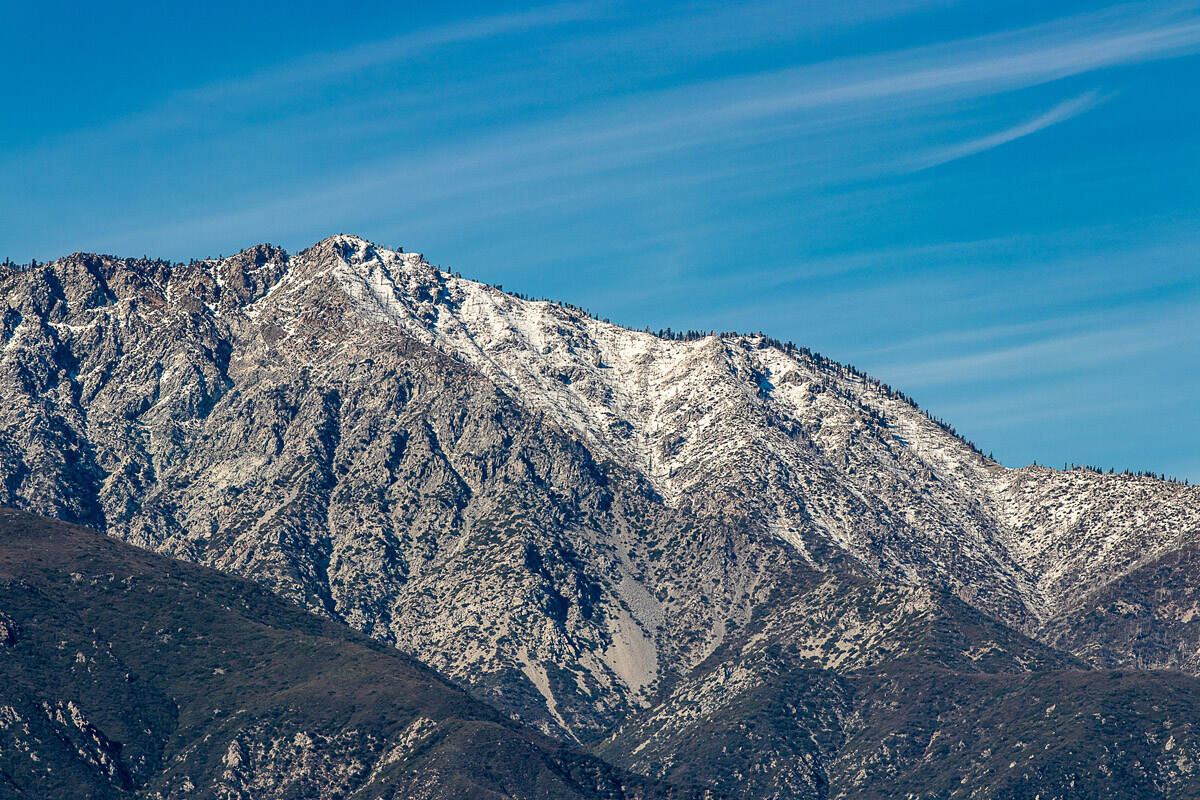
124,674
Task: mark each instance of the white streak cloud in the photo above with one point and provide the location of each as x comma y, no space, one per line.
1059,113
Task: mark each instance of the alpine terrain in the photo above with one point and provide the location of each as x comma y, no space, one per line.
718,561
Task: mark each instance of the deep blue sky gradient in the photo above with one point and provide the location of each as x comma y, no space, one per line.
993,206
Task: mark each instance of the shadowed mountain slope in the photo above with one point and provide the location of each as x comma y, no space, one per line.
128,675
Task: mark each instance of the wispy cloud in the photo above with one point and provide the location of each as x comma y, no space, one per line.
331,66
973,67
860,91
1059,113
1056,355
281,84
842,120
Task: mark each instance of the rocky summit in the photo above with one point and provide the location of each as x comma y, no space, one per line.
719,561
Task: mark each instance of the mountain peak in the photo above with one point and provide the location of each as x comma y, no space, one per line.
575,519
354,248
347,238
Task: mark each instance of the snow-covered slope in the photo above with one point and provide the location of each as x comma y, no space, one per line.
734,409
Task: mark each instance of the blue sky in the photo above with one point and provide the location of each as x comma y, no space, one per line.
993,206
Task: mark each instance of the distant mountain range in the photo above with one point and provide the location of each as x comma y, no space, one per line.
718,561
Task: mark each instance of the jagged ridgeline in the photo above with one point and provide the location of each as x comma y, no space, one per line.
711,558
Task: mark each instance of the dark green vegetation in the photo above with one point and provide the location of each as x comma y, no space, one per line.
1148,618
124,674
950,704
1075,734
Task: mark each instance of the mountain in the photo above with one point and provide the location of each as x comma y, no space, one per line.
128,675
716,558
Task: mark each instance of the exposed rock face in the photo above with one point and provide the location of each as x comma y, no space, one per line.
586,525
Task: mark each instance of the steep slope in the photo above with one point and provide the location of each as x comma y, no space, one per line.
1148,618
1054,736
584,524
1080,530
129,675
828,453
770,713
868,693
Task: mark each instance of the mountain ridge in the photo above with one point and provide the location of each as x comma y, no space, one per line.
571,518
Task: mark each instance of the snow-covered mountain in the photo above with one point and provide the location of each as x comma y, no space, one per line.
614,536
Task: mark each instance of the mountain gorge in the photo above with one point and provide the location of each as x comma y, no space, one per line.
718,561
